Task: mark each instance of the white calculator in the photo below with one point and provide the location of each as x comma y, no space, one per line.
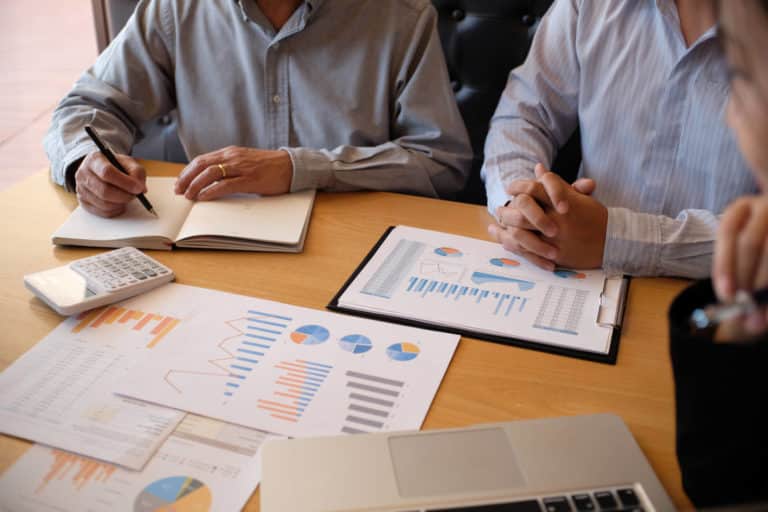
98,280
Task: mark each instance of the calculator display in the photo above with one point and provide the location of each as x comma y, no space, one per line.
63,285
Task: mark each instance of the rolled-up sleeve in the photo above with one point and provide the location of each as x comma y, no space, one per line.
429,153
643,244
538,110
130,83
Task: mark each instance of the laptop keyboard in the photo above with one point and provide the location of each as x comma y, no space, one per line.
623,499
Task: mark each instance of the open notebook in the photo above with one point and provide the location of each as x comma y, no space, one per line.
245,222
477,289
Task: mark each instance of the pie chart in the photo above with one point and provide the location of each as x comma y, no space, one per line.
448,251
310,335
569,274
177,494
355,343
504,262
403,351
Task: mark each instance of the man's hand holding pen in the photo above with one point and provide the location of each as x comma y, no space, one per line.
105,191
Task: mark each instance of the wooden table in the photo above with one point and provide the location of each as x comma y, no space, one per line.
486,382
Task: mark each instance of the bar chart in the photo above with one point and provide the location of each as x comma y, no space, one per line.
499,303
262,330
78,471
295,389
158,326
372,400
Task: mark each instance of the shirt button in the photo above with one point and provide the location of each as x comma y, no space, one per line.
276,98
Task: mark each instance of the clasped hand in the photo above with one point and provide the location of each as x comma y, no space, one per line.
552,223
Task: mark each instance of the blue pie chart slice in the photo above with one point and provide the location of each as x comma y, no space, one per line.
356,343
310,335
403,351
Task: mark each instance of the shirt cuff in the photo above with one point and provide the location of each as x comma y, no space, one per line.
632,243
312,169
74,155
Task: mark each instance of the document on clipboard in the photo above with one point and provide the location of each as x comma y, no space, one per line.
477,289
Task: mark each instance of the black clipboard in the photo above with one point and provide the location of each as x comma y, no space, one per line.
608,358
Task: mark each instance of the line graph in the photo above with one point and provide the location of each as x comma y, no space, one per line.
242,351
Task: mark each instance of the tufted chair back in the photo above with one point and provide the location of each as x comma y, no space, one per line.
483,40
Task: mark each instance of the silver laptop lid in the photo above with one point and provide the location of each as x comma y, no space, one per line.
525,461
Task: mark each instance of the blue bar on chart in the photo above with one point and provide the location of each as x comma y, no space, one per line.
502,304
261,331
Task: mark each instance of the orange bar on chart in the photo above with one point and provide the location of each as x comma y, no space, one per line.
88,470
162,329
86,318
130,315
114,315
159,327
144,321
286,418
106,314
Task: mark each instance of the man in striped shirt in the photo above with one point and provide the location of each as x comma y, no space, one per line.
646,83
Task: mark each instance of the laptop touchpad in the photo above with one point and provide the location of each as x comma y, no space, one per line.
443,463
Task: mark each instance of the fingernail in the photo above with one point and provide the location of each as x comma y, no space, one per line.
562,207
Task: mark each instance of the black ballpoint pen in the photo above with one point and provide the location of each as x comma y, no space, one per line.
111,157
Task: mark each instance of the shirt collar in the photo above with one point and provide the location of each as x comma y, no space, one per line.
313,5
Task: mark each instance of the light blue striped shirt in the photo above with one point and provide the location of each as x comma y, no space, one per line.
651,113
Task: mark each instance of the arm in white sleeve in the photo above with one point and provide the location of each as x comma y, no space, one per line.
130,83
643,244
429,153
538,110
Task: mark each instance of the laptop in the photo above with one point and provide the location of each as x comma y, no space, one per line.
576,463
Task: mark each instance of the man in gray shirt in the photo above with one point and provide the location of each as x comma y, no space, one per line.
272,96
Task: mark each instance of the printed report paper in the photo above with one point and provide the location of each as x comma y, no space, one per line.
289,370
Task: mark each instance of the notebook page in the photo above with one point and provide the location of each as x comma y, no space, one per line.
274,219
82,227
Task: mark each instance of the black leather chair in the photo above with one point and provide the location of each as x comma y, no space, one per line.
483,40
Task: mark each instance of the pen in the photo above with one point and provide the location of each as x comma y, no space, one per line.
111,157
743,303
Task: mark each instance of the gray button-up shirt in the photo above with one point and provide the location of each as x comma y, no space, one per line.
653,134
356,91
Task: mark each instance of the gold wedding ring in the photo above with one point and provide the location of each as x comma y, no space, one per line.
223,171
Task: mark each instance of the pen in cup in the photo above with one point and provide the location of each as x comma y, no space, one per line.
111,157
